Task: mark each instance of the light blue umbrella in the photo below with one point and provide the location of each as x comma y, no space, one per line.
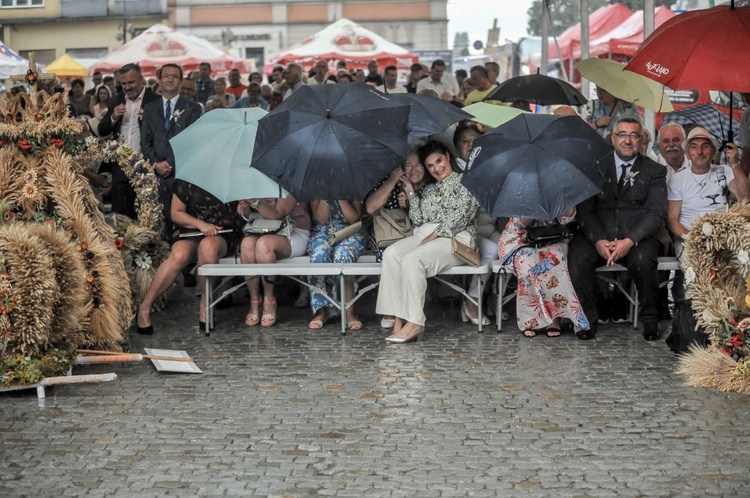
214,153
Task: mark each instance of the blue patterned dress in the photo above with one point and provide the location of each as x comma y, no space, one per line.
346,251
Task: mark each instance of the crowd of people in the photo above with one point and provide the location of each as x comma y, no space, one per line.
646,206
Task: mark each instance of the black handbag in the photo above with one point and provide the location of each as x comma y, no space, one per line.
545,235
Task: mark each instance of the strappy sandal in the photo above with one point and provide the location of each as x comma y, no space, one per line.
317,323
529,333
269,314
354,324
253,319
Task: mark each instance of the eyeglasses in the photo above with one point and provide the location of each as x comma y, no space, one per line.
172,76
632,136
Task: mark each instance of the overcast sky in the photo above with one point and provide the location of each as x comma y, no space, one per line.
475,16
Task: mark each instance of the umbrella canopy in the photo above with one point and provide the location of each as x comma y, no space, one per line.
347,41
535,166
537,89
330,142
695,50
705,115
625,85
11,63
428,115
159,45
66,65
492,115
214,153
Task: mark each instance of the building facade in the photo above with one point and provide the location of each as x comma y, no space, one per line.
87,30
261,29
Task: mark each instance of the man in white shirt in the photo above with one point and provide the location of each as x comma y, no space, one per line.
123,120
293,78
321,74
703,187
436,82
390,76
672,155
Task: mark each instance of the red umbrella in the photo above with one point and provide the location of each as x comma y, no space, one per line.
702,49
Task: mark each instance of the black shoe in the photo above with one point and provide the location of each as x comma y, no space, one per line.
586,334
145,330
651,331
189,280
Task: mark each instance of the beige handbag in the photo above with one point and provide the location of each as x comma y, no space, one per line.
465,253
391,225
345,232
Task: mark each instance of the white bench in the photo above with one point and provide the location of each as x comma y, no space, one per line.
297,267
504,272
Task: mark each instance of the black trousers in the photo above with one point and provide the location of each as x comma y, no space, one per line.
123,199
642,263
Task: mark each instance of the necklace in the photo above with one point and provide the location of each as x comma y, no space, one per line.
701,184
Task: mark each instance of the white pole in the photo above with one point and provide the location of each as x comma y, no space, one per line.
648,27
545,38
584,43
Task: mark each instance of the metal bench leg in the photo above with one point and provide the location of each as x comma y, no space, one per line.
342,288
207,302
480,288
635,305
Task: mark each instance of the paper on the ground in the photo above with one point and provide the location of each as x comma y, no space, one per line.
172,366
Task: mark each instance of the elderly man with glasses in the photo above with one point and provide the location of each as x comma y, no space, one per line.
620,225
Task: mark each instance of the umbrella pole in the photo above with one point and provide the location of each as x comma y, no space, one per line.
730,135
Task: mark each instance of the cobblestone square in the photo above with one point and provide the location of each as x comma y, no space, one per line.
287,411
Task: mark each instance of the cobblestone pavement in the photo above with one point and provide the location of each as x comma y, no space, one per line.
293,412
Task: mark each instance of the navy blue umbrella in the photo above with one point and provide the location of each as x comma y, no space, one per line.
429,115
535,166
330,142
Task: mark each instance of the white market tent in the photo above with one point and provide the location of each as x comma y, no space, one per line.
345,40
160,45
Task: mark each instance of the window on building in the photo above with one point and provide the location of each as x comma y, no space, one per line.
256,54
42,56
8,4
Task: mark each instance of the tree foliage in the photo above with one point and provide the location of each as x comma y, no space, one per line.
567,13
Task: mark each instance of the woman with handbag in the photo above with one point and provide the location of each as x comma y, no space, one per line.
545,292
275,229
205,231
488,233
389,202
337,237
445,210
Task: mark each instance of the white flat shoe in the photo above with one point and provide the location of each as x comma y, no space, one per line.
402,340
387,323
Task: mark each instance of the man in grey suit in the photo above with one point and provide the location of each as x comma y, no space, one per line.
123,120
163,119
620,225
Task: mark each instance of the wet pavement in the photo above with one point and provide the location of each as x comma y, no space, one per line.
287,411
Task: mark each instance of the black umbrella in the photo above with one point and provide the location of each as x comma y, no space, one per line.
537,89
535,166
332,141
429,115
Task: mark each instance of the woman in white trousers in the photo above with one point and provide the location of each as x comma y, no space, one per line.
444,210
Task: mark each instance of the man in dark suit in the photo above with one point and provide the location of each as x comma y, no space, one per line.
620,225
123,119
163,119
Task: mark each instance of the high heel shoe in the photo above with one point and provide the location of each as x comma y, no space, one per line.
269,314
466,317
396,339
253,318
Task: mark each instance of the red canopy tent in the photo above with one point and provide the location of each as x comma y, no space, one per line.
628,43
159,45
346,41
601,22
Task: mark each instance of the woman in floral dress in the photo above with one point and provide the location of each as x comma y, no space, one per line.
328,218
545,293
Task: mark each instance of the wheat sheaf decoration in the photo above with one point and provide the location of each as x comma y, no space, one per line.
717,281
62,279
